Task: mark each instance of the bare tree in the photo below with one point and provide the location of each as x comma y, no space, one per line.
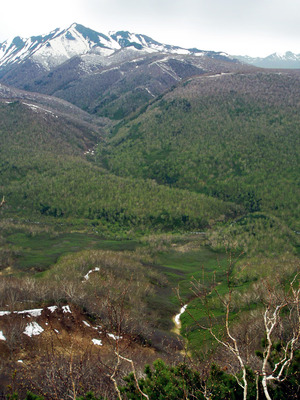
229,342
272,319
133,370
118,318
281,315
2,202
14,332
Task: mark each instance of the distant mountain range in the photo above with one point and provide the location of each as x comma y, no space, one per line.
60,45
112,75
275,60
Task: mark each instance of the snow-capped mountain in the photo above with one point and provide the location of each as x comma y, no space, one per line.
54,48
108,75
60,45
275,60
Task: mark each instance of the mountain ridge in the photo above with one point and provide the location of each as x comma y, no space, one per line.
110,76
275,60
63,44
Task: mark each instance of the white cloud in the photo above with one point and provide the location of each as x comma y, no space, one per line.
235,26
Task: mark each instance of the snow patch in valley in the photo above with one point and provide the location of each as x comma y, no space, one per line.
87,276
114,337
52,308
149,92
217,75
97,342
36,312
97,327
33,329
36,108
167,69
2,337
2,313
90,152
66,309
177,317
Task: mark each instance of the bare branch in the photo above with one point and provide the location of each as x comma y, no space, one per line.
2,202
112,377
134,374
271,320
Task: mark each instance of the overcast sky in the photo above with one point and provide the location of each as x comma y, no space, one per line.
238,27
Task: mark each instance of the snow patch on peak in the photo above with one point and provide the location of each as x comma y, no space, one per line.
61,48
282,55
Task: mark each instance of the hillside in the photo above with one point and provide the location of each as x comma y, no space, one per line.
232,136
45,171
55,106
119,84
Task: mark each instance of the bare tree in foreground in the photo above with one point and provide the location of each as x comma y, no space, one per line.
117,316
273,319
281,319
2,202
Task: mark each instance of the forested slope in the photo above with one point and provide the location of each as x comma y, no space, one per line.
232,136
44,172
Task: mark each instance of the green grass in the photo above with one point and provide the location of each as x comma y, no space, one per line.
210,269
180,269
39,252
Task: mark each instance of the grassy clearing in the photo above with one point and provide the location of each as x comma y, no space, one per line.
208,270
181,268
39,252
250,281
172,262
202,264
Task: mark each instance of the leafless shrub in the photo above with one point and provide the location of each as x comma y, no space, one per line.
277,318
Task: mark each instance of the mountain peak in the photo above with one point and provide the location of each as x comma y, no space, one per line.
286,59
60,45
